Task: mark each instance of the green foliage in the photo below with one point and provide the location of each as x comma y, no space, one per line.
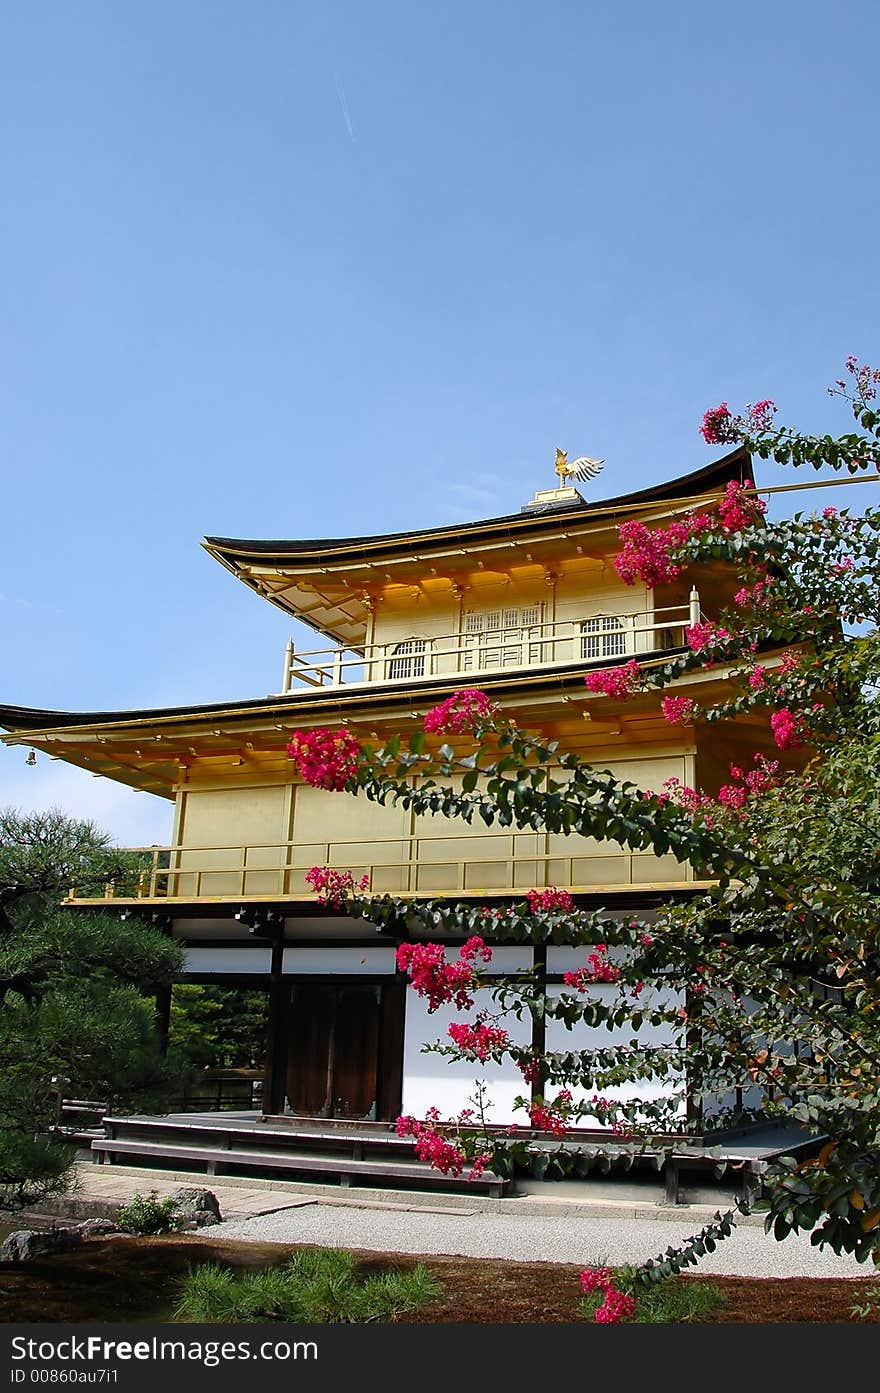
44,855
218,1027
73,1001
317,1285
766,986
147,1215
675,1302
869,1308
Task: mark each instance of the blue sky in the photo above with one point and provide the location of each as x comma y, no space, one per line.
295,270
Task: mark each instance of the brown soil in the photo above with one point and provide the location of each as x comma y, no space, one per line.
132,1279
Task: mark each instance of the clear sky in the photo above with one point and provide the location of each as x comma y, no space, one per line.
291,269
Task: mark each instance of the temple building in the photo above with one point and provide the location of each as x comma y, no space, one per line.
521,606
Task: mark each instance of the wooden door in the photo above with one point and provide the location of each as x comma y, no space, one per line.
333,1051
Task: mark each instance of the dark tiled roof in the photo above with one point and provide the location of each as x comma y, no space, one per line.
736,465
297,703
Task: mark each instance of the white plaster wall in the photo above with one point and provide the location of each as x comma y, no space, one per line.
430,1080
585,1037
352,962
228,960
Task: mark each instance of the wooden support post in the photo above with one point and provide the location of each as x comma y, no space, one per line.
274,1086
670,1180
539,1025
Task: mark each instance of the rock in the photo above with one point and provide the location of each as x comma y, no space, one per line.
196,1208
25,1244
96,1228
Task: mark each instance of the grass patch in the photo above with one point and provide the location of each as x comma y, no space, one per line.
316,1286
869,1307
675,1301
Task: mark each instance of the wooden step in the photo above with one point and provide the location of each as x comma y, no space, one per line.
343,1168
243,1133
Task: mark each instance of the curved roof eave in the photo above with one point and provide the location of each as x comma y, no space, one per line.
736,464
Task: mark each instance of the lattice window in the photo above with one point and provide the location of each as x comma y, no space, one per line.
408,659
603,636
501,637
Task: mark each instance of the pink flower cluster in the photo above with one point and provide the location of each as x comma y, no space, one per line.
757,677
646,552
865,379
334,887
441,981
432,1146
550,899
325,758
717,426
789,730
460,712
530,1069
616,1305
599,970
760,415
740,508
733,796
752,596
678,710
750,784
789,663
617,682
552,1117
478,1039
691,799
606,1108
720,427
705,635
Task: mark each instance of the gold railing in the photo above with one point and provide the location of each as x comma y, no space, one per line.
594,639
491,862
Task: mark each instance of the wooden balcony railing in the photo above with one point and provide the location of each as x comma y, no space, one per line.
595,639
488,863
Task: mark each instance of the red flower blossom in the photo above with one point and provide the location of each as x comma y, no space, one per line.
705,635
678,710
616,1305
552,1117
789,730
441,981
615,1308
598,970
739,508
716,428
460,712
334,887
550,899
433,1146
752,596
616,682
646,554
478,1039
596,1278
325,758
530,1069
760,416
757,677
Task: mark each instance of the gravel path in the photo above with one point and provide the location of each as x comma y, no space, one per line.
749,1252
